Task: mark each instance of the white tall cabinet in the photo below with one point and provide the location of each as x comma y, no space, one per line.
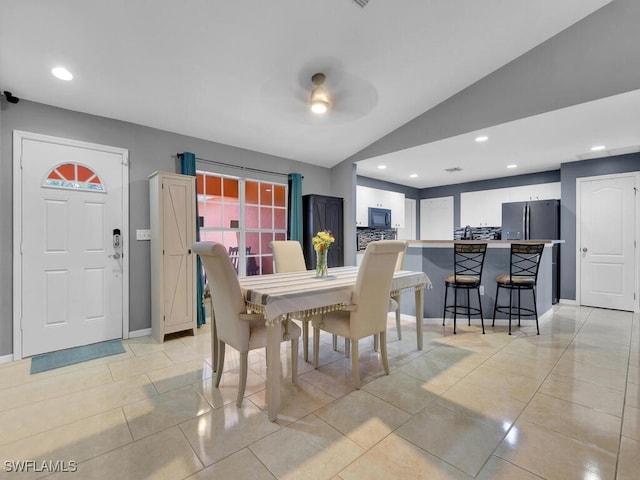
172,200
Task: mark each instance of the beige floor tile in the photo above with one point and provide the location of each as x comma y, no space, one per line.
602,357
138,365
634,373
224,431
535,350
499,469
552,455
433,372
240,465
78,441
308,448
628,460
516,386
53,386
161,456
227,391
631,423
574,420
607,377
39,417
488,406
176,376
516,364
362,417
585,393
396,458
453,436
633,395
154,414
458,357
296,400
335,378
403,391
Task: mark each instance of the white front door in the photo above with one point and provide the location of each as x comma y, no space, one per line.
606,241
72,233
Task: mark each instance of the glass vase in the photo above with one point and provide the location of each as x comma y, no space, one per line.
321,263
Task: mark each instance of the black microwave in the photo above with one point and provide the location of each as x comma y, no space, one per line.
379,217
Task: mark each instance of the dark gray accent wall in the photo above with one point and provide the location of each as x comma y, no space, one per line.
409,192
569,172
149,150
343,185
595,58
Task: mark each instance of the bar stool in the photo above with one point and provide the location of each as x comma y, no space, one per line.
468,260
523,275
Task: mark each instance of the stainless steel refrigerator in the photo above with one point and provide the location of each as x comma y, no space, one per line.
535,220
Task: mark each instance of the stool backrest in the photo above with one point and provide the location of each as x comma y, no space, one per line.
525,260
468,259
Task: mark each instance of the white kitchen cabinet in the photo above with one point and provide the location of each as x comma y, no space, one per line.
482,208
542,191
372,197
436,218
172,200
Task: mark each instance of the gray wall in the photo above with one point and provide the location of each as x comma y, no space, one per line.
149,150
569,172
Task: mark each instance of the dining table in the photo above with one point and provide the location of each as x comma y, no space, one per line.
282,296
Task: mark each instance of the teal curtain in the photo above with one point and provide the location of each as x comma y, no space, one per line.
189,168
295,207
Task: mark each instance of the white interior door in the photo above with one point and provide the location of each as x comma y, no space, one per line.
606,241
409,230
72,244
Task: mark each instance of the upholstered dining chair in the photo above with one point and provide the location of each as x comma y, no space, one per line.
243,331
288,257
366,315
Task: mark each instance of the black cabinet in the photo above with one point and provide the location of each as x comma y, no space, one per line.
320,212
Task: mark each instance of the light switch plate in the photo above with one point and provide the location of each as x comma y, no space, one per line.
143,234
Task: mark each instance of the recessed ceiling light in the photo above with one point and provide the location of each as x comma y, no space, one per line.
482,138
62,73
413,175
513,165
382,167
597,148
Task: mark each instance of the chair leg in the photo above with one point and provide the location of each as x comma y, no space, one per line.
316,346
335,343
383,351
305,339
535,309
397,299
214,341
221,346
455,309
519,306
468,309
444,311
244,363
495,305
376,342
294,360
355,363
480,307
347,348
510,307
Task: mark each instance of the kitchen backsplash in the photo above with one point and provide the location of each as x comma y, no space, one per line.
479,233
368,235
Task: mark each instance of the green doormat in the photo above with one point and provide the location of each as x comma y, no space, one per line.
70,356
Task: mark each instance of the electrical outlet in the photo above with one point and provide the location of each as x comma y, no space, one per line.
481,289
143,234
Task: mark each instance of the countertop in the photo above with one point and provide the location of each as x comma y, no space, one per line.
490,243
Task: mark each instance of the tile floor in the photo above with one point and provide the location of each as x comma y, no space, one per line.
565,404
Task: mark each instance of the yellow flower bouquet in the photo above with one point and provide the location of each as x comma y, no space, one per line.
321,244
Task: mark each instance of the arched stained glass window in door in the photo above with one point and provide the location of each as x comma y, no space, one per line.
74,176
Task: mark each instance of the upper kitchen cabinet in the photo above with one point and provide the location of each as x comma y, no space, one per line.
372,197
483,208
543,191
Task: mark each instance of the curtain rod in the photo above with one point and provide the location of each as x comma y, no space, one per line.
239,167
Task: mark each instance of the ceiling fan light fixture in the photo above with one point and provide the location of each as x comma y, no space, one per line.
319,101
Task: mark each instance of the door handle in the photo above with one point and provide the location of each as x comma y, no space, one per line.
584,249
115,256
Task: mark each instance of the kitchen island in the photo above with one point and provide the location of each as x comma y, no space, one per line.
435,258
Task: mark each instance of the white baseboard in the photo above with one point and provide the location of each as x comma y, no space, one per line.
140,333
566,301
6,358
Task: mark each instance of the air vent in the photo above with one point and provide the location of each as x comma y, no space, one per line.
362,3
453,169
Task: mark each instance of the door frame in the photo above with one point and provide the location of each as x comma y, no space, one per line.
579,182
18,137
